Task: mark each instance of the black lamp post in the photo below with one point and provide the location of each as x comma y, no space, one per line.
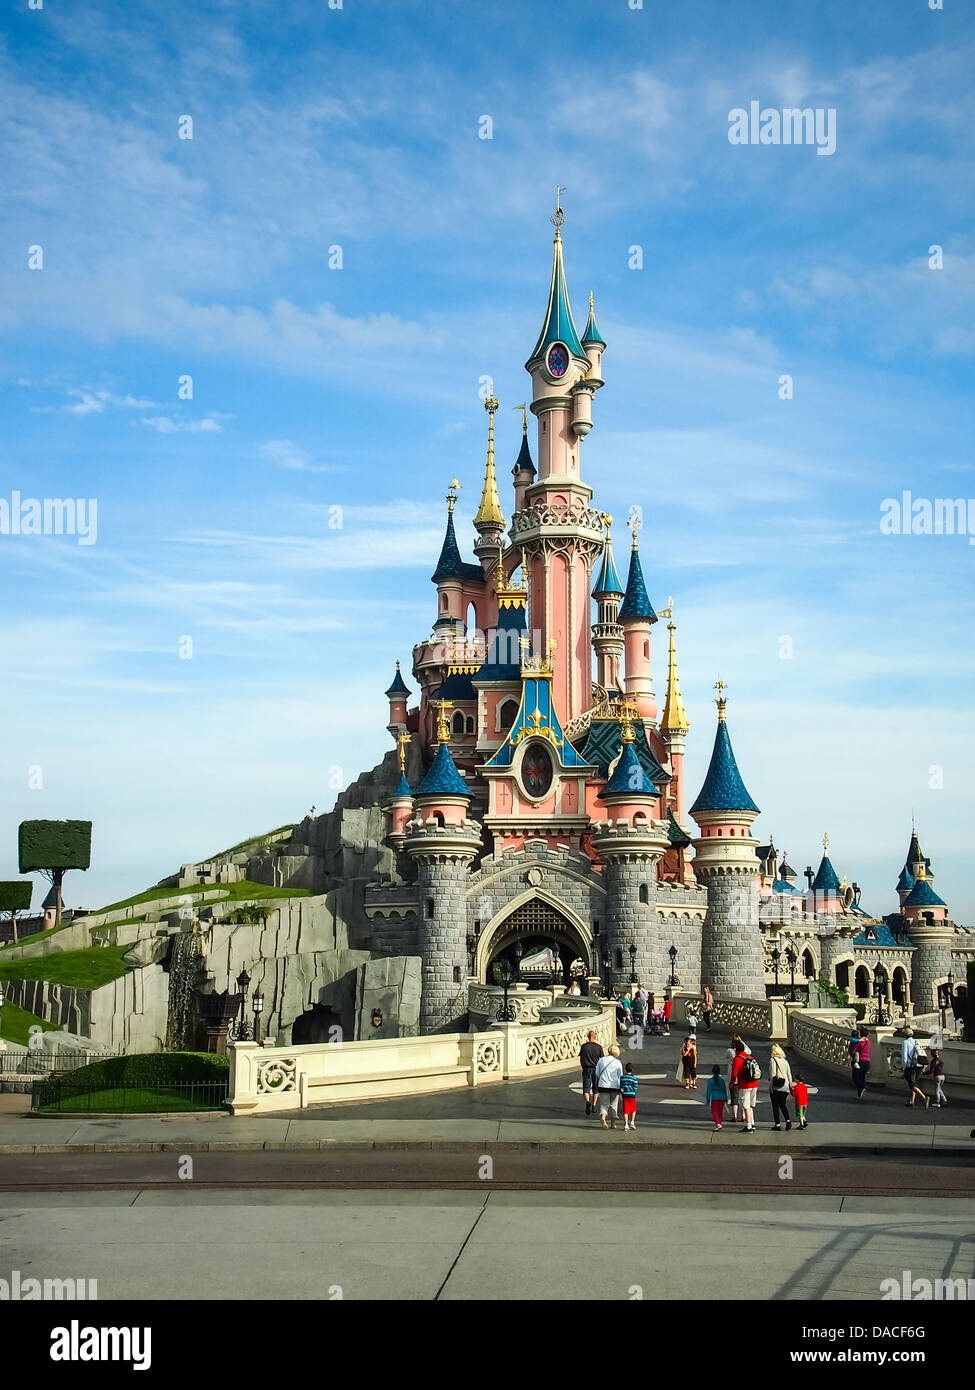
945,993
257,1004
880,991
607,978
471,948
243,1032
775,955
790,959
673,981
509,971
632,950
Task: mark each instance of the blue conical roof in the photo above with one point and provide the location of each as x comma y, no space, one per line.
636,602
592,333
923,895
443,779
723,788
450,565
398,686
826,880
629,778
523,463
558,326
608,580
404,788
906,880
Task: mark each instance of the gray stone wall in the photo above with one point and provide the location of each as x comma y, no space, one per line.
395,988
932,962
732,958
630,920
442,883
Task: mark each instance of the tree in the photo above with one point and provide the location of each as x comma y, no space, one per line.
15,895
51,848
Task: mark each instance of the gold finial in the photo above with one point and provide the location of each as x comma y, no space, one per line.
452,492
536,665
558,216
401,741
443,727
524,416
920,871
721,701
489,513
825,844
592,302
608,520
674,718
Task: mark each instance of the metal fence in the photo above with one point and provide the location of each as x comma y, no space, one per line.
72,1097
34,1062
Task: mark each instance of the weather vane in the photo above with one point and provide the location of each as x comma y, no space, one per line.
524,415
452,491
558,216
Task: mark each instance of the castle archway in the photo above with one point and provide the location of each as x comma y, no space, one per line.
535,920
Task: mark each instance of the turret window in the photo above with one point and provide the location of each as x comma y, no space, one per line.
470,724
458,723
646,651
644,893
506,715
428,908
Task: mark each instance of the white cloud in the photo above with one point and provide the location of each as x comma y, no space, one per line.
166,424
283,454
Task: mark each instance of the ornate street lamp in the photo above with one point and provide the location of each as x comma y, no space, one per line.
880,991
945,995
791,959
471,948
775,955
243,980
509,971
257,1004
607,978
632,950
673,981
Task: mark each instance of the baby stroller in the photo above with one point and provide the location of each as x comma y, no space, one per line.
656,1023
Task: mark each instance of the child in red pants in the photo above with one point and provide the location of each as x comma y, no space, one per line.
717,1095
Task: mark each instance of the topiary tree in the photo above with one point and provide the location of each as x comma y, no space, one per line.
15,895
51,848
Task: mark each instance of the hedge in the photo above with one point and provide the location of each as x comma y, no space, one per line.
54,844
15,894
152,1069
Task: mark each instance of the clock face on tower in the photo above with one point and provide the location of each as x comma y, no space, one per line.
536,770
558,360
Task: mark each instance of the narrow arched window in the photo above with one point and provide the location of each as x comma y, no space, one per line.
458,723
428,907
644,893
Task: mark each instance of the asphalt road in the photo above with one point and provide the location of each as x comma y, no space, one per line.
608,1169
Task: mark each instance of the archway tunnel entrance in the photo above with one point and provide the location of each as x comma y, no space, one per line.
552,947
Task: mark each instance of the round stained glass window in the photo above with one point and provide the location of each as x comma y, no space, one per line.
558,360
536,770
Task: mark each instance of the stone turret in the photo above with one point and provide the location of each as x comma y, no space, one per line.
442,843
927,921
636,616
732,960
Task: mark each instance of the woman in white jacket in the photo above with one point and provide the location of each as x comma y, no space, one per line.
779,1086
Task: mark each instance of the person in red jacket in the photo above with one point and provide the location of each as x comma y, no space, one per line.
800,1094
745,1075
667,1008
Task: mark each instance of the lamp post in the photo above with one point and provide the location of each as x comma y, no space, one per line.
471,948
790,959
607,978
880,992
243,1032
775,955
257,1004
509,972
632,950
673,982
945,993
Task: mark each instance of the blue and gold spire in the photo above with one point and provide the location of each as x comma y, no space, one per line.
450,565
592,333
723,788
629,778
399,686
608,580
523,463
826,880
558,326
636,601
442,777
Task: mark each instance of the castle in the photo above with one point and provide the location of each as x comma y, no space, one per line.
541,796
532,810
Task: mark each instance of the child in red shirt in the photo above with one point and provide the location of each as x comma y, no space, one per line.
800,1094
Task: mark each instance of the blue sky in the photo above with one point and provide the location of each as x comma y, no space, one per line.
357,387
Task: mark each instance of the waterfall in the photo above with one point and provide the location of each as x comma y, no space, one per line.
184,969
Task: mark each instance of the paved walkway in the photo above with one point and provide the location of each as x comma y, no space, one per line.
547,1111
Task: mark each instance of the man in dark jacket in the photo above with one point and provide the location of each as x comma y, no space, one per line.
589,1054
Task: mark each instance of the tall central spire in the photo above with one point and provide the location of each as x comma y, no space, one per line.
558,326
489,513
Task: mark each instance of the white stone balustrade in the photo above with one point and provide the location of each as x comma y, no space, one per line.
290,1078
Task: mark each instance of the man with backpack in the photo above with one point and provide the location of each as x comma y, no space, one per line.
745,1075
